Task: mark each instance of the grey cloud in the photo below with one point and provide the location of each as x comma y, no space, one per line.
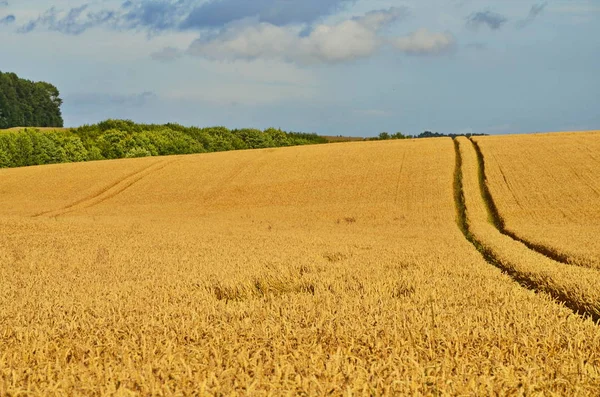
488,18
537,9
342,42
75,22
155,16
166,54
161,15
7,20
534,12
217,13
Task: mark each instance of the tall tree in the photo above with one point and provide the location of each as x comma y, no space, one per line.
24,103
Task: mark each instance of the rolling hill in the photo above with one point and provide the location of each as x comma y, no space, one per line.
325,269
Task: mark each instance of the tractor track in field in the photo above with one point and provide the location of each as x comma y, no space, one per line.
523,279
498,220
398,180
255,165
107,192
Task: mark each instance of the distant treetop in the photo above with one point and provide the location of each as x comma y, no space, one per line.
25,103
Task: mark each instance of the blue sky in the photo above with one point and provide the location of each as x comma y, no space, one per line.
351,67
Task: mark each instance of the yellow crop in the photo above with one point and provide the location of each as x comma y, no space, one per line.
576,287
330,269
547,189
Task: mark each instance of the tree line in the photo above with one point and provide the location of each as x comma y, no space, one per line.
24,103
115,139
383,136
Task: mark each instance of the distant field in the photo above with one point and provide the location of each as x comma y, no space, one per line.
326,269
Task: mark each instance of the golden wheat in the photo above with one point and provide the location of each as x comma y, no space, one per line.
577,286
333,269
547,189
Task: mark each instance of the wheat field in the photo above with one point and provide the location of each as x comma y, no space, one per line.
331,269
547,189
576,287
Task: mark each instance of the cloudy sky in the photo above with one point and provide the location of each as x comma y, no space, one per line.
352,67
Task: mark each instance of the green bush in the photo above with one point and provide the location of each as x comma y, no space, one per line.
115,139
138,152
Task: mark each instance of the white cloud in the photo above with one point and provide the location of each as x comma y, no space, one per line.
376,20
424,42
345,41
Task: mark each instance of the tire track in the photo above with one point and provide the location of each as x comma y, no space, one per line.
571,286
247,167
499,222
108,192
510,189
583,178
398,180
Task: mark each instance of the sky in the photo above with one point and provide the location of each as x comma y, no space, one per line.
335,67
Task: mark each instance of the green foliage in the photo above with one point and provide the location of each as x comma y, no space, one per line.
94,153
429,134
24,103
4,159
399,135
115,139
138,152
73,149
386,135
254,139
32,147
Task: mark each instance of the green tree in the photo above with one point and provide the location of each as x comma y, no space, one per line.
254,139
23,155
74,149
111,144
113,139
399,135
138,152
5,161
28,104
384,136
